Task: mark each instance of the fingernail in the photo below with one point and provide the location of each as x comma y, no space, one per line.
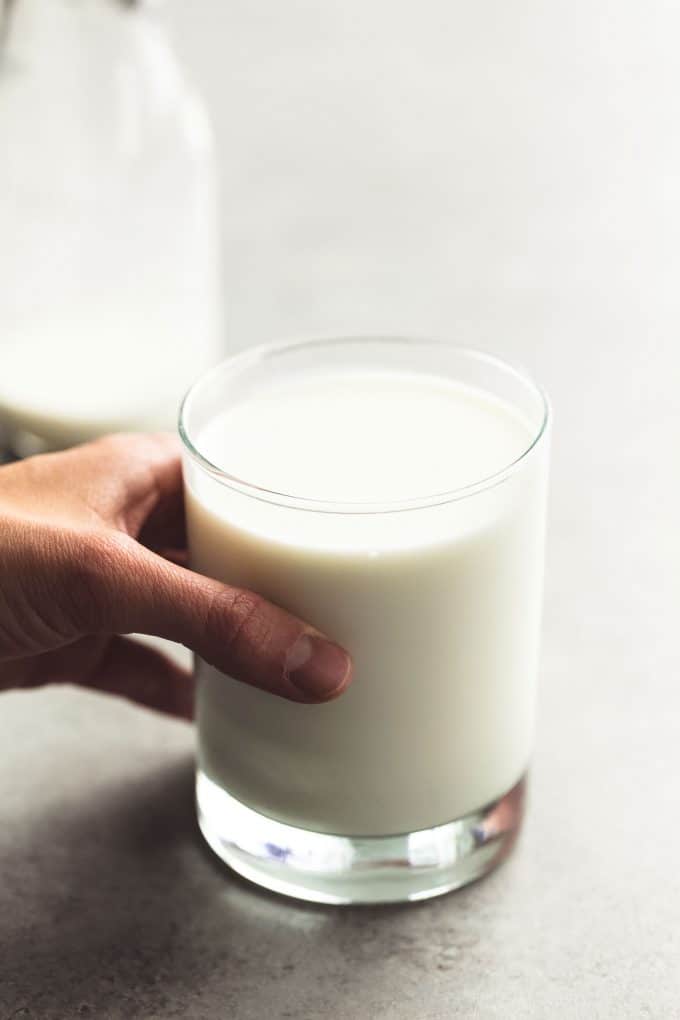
316,667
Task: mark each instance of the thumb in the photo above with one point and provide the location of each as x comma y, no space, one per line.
233,629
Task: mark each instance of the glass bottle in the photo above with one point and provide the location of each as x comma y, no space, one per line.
110,295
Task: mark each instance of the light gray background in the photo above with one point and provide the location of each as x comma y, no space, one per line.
508,174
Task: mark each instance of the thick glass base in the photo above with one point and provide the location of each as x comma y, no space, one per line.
363,869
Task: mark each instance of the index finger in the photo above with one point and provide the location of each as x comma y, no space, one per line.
132,476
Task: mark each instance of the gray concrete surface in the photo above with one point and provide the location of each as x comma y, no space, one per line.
507,174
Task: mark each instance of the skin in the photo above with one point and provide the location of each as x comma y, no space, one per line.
93,546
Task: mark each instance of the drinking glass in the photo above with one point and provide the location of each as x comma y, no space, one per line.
412,782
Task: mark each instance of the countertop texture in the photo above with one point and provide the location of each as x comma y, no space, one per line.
506,174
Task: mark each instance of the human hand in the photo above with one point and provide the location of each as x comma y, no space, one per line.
91,546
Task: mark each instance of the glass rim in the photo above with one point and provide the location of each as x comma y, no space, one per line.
252,355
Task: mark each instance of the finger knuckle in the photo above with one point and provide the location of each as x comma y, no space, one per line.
240,620
117,440
116,446
92,565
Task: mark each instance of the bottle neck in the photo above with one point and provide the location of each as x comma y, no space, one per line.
25,23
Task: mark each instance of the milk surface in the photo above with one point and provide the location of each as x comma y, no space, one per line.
439,606
365,437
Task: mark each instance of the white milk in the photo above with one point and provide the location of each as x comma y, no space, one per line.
439,607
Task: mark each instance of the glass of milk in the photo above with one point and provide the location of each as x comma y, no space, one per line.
392,493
